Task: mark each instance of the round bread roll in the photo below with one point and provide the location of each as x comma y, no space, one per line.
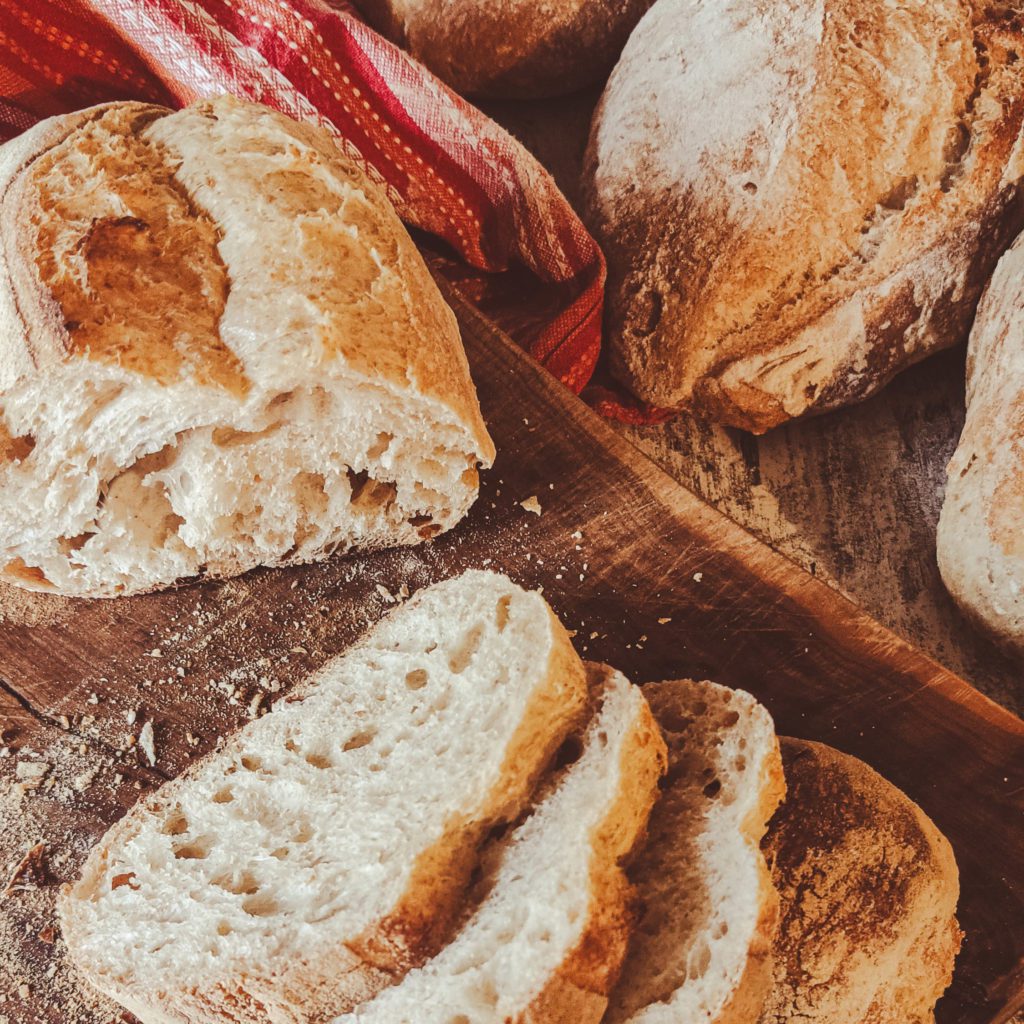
219,349
510,49
981,528
799,199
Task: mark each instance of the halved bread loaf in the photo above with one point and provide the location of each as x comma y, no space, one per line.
868,888
980,537
325,849
800,198
545,944
219,348
702,946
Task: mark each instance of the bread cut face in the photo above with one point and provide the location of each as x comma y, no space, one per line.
799,199
325,849
546,940
702,946
510,48
219,348
981,527
868,889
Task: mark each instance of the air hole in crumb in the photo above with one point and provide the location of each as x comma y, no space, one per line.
281,853
380,446
501,613
361,739
126,878
674,720
197,850
15,449
17,568
252,763
223,928
260,905
649,309
426,532
368,494
416,679
750,187
740,764
223,796
731,719
229,437
319,761
304,833
291,746
459,659
712,789
242,884
175,825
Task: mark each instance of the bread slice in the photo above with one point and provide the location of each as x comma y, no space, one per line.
325,849
798,199
868,887
702,947
980,543
546,942
219,348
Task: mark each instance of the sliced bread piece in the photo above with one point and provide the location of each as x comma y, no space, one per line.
702,947
868,887
219,348
546,942
325,849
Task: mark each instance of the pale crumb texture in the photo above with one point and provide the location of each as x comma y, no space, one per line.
221,350
548,938
798,199
701,950
981,528
324,849
868,890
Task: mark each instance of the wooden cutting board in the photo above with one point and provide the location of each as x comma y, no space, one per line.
652,580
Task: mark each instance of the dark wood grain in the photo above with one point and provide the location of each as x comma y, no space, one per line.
653,581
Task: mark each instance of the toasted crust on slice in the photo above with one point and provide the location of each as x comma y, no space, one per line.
868,889
326,848
701,950
545,941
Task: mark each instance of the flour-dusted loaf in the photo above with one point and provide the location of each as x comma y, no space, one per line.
981,528
510,48
545,943
702,947
325,849
799,198
868,889
219,348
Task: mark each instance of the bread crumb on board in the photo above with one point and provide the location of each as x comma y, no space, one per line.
531,504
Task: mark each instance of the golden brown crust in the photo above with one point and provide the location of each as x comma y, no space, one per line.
753,294
510,48
867,885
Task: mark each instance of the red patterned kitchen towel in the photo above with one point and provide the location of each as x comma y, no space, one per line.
449,169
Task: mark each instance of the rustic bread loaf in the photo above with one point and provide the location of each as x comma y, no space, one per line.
868,889
510,48
219,348
546,941
799,199
326,848
981,528
702,947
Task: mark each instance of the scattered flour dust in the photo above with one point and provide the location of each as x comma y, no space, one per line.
37,982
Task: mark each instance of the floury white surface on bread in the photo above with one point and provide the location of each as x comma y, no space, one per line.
220,349
702,946
868,889
981,528
326,848
547,939
799,199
